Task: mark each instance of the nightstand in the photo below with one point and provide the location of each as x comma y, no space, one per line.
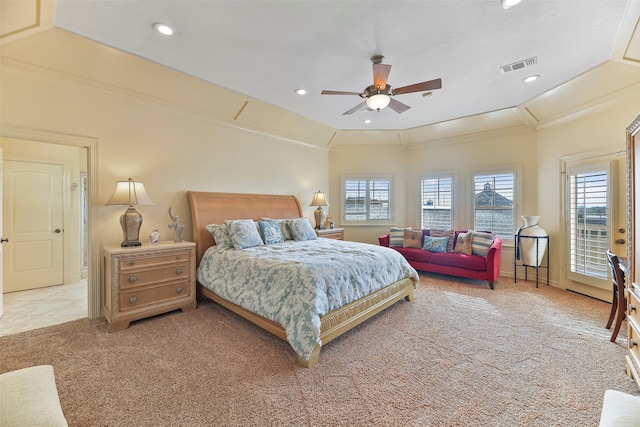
331,233
143,281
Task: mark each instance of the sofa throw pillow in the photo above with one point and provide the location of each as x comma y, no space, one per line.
463,244
270,232
480,243
221,236
435,244
396,236
301,229
244,233
444,233
412,238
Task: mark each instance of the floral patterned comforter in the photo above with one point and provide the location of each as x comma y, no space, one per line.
296,282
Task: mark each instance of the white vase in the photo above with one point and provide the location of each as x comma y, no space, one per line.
531,249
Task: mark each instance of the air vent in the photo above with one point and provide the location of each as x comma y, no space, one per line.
519,65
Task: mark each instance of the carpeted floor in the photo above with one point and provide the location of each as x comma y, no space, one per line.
459,355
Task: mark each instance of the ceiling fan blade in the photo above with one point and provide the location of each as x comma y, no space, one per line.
380,75
354,109
419,87
338,92
398,106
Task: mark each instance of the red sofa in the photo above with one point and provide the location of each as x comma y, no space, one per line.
454,263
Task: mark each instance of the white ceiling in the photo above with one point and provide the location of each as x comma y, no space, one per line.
267,49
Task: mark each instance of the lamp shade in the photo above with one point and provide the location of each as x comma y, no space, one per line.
319,199
378,101
129,193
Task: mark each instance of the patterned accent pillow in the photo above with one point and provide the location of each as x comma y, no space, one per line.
412,238
444,233
221,236
480,243
270,232
244,233
463,244
301,229
435,244
284,228
396,236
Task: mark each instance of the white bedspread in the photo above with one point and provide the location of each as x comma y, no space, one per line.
295,283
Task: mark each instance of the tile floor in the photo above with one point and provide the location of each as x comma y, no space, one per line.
37,308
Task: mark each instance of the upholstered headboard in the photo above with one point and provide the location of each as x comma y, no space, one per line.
214,208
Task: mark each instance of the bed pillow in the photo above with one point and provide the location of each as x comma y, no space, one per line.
396,236
244,233
284,228
435,244
463,244
481,242
301,229
444,233
221,236
270,232
412,238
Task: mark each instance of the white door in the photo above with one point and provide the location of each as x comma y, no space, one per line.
1,240
32,221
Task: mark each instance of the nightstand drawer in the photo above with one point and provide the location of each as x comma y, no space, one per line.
138,298
129,263
136,278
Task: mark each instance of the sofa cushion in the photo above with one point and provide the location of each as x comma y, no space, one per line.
444,233
620,409
414,254
396,236
481,242
453,259
463,243
412,238
435,244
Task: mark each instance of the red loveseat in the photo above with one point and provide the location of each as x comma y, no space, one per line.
454,263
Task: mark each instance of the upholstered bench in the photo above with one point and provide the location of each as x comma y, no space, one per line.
620,410
29,397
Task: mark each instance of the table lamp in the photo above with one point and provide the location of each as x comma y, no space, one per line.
130,193
319,200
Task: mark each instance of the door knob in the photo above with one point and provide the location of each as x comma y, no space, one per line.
57,230
3,239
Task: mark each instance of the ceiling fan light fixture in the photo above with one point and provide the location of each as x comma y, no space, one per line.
508,4
378,101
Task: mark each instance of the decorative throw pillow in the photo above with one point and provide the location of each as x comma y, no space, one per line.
301,229
270,232
412,238
396,236
480,243
444,233
463,244
284,228
221,236
244,233
435,244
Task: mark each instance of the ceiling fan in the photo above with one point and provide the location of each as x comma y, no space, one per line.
379,94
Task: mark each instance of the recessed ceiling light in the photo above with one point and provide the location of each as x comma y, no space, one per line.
367,121
163,29
301,91
508,4
530,79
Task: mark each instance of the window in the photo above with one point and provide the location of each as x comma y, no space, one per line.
494,201
436,196
589,218
366,200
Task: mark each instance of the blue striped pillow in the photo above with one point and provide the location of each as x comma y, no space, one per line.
480,243
396,236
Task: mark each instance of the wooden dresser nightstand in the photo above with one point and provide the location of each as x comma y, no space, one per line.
147,280
331,233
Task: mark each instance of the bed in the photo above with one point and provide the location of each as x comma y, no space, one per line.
214,208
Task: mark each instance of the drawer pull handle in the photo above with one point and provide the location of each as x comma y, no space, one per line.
132,279
133,299
631,308
179,271
178,290
132,263
632,343
178,256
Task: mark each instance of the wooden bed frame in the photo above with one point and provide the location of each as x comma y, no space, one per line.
214,208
